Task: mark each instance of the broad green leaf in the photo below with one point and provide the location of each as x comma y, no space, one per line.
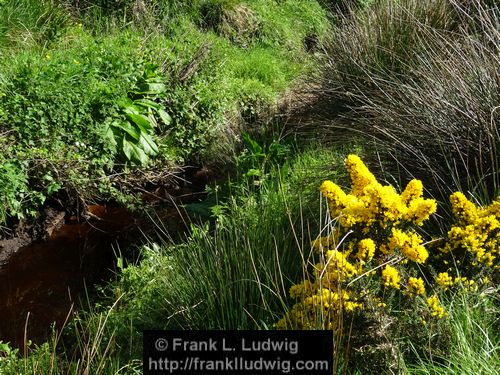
148,104
141,121
165,117
110,135
52,188
132,109
133,153
252,145
253,173
150,88
152,120
128,128
148,144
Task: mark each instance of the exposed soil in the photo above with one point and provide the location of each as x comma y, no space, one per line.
39,282
47,266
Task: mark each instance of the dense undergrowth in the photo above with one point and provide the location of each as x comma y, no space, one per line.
91,91
407,277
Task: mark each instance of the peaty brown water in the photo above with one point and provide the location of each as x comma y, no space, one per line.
41,281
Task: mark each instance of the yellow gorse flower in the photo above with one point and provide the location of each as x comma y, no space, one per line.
436,308
390,277
409,244
372,225
416,285
477,230
366,249
444,280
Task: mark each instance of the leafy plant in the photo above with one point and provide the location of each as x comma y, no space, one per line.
257,161
134,129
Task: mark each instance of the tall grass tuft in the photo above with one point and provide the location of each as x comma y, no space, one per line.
421,78
474,340
25,23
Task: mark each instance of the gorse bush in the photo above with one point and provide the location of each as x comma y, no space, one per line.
374,258
420,78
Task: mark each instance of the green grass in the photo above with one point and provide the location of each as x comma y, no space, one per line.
231,274
474,346
69,72
407,73
234,272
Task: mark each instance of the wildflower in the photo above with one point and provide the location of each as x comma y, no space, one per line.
390,277
334,194
301,289
352,306
444,280
359,173
366,249
416,285
337,267
437,309
413,190
420,209
390,204
408,244
463,209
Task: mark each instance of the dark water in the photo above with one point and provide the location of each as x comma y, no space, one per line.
40,282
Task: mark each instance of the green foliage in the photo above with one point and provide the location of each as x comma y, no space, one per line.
100,88
223,275
256,161
18,200
474,339
133,129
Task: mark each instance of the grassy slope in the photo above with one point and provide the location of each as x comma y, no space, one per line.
68,77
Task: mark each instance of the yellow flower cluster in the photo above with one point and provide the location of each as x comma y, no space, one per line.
409,244
436,308
444,280
371,208
318,307
376,230
370,202
477,230
416,285
337,268
366,250
390,277
468,284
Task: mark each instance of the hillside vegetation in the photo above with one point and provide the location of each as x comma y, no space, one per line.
99,97
377,216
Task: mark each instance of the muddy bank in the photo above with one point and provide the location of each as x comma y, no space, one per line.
39,282
47,267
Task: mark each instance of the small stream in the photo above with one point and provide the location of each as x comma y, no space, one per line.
41,281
